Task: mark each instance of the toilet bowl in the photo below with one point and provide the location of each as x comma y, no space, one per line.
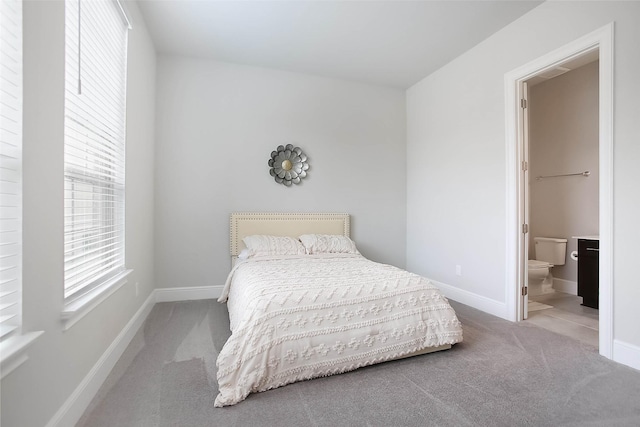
540,277
549,251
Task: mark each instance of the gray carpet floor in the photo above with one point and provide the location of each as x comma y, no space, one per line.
503,374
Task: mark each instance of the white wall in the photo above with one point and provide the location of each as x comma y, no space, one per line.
563,138
456,182
58,360
217,124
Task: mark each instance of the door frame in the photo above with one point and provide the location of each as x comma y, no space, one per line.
602,40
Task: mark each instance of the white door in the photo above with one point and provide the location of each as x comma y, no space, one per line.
524,170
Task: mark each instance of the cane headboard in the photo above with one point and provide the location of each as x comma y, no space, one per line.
284,224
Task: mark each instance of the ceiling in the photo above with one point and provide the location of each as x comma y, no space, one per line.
391,43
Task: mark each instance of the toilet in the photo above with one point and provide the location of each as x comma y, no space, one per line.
549,252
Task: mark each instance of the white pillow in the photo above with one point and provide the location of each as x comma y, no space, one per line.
244,254
328,244
259,245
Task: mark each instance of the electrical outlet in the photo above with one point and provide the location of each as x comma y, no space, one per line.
137,288
458,270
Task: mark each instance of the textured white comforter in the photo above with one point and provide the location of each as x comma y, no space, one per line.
301,317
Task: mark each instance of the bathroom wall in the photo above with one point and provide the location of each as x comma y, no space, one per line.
563,138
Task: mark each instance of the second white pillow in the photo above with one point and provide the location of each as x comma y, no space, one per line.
328,244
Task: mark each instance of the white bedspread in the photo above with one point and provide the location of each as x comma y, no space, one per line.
301,317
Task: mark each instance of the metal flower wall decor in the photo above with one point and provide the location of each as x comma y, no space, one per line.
288,165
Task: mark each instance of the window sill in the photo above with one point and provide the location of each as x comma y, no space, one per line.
13,351
80,307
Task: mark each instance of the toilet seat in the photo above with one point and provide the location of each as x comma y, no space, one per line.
535,264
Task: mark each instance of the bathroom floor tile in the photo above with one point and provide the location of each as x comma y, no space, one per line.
567,317
537,306
566,302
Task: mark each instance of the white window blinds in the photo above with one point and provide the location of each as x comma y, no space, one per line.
94,143
10,166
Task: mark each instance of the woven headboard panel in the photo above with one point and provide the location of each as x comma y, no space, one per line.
285,224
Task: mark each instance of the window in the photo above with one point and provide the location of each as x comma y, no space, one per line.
94,144
10,166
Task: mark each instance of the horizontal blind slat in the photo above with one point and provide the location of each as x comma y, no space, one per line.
92,252
100,276
98,272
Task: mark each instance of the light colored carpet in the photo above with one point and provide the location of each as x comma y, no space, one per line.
503,374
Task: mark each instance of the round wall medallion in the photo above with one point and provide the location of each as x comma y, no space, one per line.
288,165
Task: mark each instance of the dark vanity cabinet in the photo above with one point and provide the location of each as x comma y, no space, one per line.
588,271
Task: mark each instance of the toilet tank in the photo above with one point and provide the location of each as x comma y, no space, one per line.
550,249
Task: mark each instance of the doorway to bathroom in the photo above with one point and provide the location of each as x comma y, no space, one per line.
561,196
575,55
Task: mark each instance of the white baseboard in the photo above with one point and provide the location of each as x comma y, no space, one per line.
627,354
480,302
566,286
188,293
73,408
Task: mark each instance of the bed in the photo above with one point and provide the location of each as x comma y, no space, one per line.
301,314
